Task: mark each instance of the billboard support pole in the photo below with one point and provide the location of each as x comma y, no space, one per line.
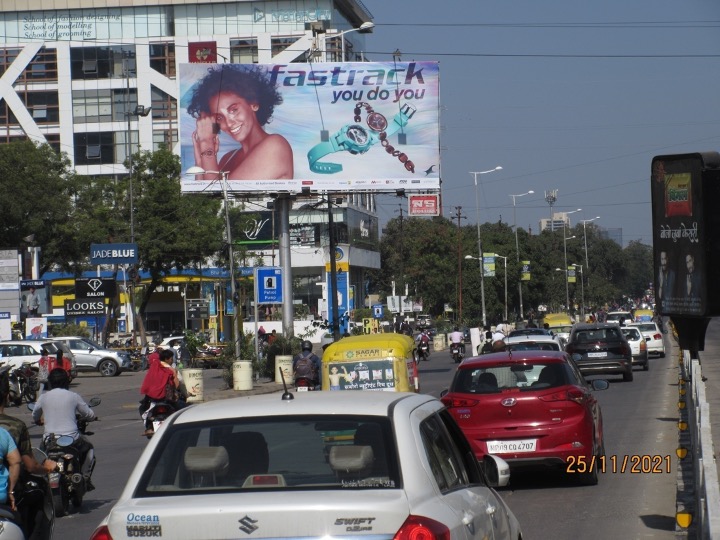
333,274
288,315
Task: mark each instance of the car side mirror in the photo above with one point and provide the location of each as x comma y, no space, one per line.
91,349
599,384
497,471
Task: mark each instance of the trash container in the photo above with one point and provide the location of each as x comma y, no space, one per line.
193,381
242,375
439,343
283,362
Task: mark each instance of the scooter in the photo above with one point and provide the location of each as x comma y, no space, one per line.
456,352
424,351
68,483
304,384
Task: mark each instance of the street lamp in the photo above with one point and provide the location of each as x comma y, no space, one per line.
362,28
231,253
517,247
567,286
585,222
582,291
480,252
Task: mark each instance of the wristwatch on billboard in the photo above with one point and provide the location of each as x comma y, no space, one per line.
357,138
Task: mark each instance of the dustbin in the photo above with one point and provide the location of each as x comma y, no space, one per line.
242,375
439,342
193,381
283,362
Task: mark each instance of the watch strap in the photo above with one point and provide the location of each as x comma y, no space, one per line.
400,120
321,150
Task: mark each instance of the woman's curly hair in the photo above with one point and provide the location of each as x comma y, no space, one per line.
250,84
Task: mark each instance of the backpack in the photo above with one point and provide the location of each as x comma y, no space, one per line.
305,367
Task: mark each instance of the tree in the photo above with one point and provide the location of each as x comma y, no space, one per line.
36,184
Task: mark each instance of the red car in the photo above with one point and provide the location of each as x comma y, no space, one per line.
532,408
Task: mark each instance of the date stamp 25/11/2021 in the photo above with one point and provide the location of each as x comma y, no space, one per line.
633,464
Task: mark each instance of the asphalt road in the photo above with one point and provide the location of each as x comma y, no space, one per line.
640,420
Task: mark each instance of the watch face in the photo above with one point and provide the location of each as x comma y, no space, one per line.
377,121
357,134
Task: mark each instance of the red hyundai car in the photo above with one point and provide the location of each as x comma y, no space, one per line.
532,408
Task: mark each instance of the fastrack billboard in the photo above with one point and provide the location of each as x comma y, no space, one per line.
362,126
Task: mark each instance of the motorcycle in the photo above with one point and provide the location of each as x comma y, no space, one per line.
23,384
67,483
34,502
304,384
424,351
456,352
154,414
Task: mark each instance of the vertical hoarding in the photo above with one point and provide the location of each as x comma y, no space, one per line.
367,126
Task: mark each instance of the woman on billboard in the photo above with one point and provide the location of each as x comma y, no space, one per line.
238,101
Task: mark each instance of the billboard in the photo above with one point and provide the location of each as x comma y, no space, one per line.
355,126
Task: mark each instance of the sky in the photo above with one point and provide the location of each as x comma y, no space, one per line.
573,96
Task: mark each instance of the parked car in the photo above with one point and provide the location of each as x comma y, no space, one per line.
89,356
600,349
531,407
28,351
654,337
638,346
330,464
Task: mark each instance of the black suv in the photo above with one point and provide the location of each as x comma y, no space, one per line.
600,348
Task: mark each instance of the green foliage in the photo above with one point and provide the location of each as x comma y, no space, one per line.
59,330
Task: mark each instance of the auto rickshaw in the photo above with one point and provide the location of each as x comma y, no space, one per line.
559,324
380,362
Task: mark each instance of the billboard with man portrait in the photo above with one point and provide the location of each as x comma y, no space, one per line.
362,126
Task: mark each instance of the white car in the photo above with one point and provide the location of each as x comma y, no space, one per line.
313,465
656,343
540,342
638,346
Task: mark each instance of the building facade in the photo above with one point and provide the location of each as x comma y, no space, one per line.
97,81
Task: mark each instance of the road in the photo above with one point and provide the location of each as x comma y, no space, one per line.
640,420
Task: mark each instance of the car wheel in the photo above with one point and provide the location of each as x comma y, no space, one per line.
628,376
108,368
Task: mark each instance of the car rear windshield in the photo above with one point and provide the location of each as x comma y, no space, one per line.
610,333
631,334
533,346
488,380
282,453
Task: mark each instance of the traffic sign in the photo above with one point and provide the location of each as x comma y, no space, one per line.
377,311
268,285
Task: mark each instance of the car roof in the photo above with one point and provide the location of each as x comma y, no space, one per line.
593,326
503,357
370,403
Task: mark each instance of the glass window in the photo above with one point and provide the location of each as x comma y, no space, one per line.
243,51
99,148
445,461
164,106
339,453
88,63
495,379
162,58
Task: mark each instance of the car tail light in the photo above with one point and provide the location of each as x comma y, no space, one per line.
422,528
454,402
101,533
657,336
643,345
575,394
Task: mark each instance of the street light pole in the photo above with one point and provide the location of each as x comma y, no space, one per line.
231,254
506,288
585,222
582,291
480,252
517,249
567,286
363,27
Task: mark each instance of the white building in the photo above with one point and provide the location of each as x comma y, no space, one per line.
95,79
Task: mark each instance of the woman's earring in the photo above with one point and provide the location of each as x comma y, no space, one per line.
255,108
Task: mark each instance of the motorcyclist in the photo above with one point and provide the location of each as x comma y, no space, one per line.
59,410
423,338
457,338
307,364
30,506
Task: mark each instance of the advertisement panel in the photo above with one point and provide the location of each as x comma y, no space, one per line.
424,205
363,126
678,236
525,272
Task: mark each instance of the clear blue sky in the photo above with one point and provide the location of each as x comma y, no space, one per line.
568,95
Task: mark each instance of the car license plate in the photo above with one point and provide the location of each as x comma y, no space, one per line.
597,354
504,447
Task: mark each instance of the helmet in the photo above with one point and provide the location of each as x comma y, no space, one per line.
306,346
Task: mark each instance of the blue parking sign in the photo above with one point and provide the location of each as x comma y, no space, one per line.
377,311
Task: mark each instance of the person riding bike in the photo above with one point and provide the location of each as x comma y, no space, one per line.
457,338
307,364
30,502
423,337
59,410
